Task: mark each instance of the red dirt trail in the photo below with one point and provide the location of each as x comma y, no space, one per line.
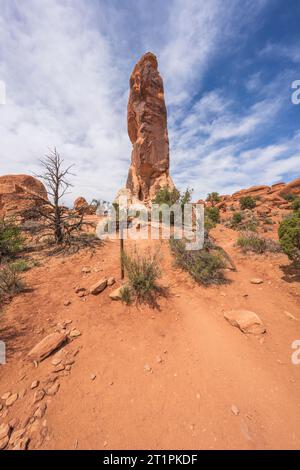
200,365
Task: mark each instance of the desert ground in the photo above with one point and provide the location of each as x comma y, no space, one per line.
174,376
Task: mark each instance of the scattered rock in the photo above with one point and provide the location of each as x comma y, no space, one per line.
34,384
56,361
67,303
12,399
147,368
5,396
246,321
86,270
39,395
116,294
93,376
59,368
22,444
5,430
53,389
256,281
45,347
98,287
111,281
3,442
74,333
69,362
235,410
79,289
159,359
40,411
16,436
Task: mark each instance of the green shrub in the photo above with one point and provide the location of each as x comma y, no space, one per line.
250,241
289,236
205,266
10,238
247,202
143,272
236,219
296,204
213,198
10,281
20,266
213,213
289,197
126,295
165,196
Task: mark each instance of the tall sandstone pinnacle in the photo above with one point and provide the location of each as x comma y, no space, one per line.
148,132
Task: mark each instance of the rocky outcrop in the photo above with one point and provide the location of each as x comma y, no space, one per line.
292,187
147,130
83,207
15,194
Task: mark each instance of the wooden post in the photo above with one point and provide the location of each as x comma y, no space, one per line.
122,249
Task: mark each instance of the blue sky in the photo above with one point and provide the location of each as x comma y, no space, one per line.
227,66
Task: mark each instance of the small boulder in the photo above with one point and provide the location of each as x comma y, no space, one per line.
12,399
74,333
256,281
34,384
246,321
45,347
86,270
98,287
53,389
111,281
116,294
4,442
5,396
5,430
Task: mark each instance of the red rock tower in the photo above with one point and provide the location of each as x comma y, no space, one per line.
148,132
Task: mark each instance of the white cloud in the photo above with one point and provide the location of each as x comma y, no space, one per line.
66,64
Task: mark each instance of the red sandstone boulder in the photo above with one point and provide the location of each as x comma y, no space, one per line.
253,191
82,206
15,194
292,187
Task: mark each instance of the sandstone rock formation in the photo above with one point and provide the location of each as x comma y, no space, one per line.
15,193
147,130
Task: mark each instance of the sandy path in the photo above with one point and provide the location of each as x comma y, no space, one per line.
207,365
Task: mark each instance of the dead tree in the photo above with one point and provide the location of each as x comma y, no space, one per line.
54,218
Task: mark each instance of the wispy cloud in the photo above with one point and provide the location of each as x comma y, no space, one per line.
66,65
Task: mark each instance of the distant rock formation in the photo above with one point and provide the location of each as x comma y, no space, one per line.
267,197
148,132
15,191
83,207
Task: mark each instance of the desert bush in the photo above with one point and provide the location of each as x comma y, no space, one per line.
213,213
250,241
289,197
11,240
213,198
126,295
10,281
143,272
236,219
205,266
20,266
247,202
289,236
296,204
165,196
